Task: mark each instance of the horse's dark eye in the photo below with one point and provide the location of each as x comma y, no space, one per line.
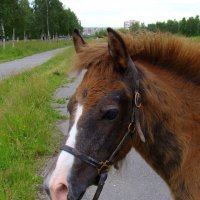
111,114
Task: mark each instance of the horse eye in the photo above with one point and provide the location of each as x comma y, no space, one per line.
111,114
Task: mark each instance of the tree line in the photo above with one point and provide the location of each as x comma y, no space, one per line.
42,19
187,27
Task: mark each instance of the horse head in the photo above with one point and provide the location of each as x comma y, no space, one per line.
100,110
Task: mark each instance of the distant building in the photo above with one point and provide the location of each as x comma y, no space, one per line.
129,23
89,31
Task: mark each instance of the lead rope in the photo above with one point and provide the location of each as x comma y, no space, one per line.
102,180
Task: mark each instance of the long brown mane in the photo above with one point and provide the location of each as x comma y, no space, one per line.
172,53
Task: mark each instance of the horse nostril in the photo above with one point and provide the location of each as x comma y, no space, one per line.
62,188
59,192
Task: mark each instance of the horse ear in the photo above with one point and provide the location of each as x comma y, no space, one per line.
117,49
78,41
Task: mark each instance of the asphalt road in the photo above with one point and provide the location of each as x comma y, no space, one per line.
16,66
134,181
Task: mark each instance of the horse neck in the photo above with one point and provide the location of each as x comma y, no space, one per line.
163,118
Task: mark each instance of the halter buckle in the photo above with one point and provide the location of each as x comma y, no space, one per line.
104,166
138,99
131,127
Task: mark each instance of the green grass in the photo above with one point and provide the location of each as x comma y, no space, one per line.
61,101
197,38
23,49
27,126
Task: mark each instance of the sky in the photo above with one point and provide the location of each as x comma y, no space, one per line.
113,13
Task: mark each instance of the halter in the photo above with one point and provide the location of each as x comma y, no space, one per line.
104,166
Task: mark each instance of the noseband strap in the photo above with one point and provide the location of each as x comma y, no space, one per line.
103,166
87,159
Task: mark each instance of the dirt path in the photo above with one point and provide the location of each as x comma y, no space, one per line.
16,66
135,181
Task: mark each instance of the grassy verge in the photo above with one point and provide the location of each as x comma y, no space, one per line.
197,38
23,49
27,126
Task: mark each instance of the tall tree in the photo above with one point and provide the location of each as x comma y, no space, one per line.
191,26
55,16
172,26
27,19
45,16
182,26
161,26
61,21
72,21
9,15
135,27
40,13
152,27
188,27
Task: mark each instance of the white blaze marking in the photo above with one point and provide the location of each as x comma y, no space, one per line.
69,159
66,160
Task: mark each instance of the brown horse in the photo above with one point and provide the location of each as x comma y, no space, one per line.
167,122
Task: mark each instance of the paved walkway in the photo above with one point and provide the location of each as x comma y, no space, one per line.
16,66
135,181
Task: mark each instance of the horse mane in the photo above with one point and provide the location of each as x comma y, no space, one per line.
174,54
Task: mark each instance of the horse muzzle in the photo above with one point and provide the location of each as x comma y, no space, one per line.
75,193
